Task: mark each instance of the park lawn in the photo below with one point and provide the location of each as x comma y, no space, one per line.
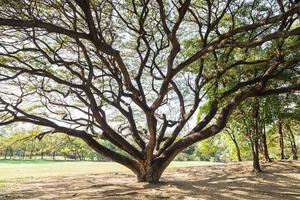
234,180
14,170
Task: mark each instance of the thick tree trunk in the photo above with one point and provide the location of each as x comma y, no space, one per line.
264,145
281,142
150,176
150,173
255,155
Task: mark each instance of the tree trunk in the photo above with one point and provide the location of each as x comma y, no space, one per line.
264,145
294,151
281,142
24,154
238,152
78,154
293,146
30,155
11,152
145,170
255,138
255,155
42,155
150,173
19,154
6,153
148,176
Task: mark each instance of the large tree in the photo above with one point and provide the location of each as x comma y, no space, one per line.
134,73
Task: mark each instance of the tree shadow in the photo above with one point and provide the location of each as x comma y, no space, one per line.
276,182
280,180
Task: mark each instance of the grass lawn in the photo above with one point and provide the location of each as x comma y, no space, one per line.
279,181
13,170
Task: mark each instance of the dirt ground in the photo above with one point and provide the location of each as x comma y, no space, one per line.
280,180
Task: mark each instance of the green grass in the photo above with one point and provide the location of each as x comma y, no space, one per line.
14,170
38,161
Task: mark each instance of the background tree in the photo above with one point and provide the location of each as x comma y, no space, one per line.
26,144
135,73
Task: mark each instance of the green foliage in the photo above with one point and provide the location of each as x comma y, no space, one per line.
271,109
24,144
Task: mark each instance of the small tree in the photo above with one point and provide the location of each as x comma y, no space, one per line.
134,73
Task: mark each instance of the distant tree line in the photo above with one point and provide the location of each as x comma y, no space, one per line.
20,145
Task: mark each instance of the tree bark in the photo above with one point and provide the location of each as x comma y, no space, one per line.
150,172
293,146
281,142
255,156
255,138
294,150
264,144
238,152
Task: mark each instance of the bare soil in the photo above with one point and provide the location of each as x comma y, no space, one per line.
280,180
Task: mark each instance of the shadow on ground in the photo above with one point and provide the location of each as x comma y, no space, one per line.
280,180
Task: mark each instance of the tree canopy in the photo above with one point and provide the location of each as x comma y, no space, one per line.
135,73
